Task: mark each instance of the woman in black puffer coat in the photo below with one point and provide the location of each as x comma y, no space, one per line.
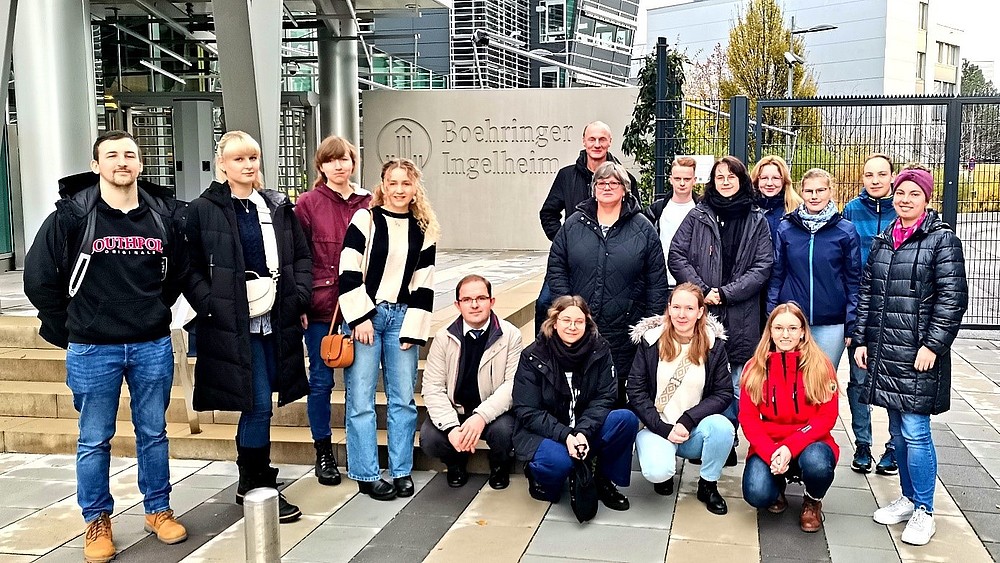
913,296
242,360
609,254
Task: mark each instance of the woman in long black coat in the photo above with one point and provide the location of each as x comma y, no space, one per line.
913,296
243,360
609,254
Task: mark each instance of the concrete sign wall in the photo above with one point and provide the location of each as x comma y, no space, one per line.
489,156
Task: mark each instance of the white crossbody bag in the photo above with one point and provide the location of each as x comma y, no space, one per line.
261,291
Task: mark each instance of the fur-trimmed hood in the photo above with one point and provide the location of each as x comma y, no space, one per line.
650,329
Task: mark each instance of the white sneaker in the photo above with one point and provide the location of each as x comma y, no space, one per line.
920,528
895,512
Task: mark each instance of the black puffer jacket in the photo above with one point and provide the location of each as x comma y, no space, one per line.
622,277
541,397
912,296
569,189
696,257
223,374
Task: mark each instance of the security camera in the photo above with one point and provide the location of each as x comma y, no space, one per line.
792,59
293,68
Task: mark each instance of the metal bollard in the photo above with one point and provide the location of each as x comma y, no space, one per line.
260,513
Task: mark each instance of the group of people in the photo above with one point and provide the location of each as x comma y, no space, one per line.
664,329
767,284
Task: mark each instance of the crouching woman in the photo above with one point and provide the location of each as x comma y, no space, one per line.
563,394
679,387
788,405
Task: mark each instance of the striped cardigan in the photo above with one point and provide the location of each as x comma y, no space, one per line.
400,269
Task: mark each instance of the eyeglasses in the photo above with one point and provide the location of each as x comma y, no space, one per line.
609,184
572,322
786,329
817,191
481,299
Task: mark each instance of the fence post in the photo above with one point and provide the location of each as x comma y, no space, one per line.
660,147
739,124
952,154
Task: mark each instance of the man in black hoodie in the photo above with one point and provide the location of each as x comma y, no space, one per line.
103,271
572,186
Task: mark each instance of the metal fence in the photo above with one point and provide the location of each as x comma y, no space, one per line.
958,138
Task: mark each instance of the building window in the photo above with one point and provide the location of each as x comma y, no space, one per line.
553,20
945,88
921,65
947,54
922,16
548,77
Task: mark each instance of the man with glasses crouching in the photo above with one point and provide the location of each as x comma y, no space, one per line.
467,386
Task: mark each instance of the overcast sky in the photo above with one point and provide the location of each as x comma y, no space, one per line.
978,18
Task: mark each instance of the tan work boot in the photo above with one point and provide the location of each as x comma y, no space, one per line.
98,546
167,529
811,519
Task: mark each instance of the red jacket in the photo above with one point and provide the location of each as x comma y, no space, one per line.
785,417
324,216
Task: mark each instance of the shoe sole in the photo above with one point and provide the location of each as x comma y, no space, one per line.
911,542
862,470
889,472
329,482
168,542
892,522
99,560
810,530
290,517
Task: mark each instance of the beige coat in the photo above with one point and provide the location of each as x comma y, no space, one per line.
496,373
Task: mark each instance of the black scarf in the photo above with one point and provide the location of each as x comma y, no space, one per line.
572,358
728,208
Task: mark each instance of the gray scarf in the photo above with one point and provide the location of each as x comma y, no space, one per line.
816,222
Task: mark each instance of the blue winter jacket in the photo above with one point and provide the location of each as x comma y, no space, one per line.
774,210
870,217
820,271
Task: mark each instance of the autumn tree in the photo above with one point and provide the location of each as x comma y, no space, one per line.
757,68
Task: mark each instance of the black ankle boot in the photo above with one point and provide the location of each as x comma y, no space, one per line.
708,493
665,488
609,494
499,475
256,472
287,512
326,463
534,489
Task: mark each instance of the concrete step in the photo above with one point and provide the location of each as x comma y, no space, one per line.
215,442
55,400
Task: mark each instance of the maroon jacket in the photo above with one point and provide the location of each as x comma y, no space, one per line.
324,216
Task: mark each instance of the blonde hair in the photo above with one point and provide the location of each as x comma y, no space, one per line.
420,206
233,141
820,173
670,348
818,375
792,197
333,148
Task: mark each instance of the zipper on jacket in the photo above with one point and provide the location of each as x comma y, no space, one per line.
774,401
878,211
812,241
211,265
881,322
795,390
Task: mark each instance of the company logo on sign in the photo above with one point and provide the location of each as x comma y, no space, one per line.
404,138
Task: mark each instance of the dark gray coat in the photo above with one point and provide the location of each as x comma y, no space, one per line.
696,257
912,296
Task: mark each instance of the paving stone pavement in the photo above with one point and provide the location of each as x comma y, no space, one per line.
40,521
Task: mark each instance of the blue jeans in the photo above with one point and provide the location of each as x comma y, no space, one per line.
320,382
399,373
254,429
830,339
916,457
732,413
710,442
861,414
814,466
94,373
551,464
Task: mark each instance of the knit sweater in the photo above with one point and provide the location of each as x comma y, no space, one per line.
386,257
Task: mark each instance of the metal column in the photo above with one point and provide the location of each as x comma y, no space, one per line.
8,9
339,103
249,39
56,103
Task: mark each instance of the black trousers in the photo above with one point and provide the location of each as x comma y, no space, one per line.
499,436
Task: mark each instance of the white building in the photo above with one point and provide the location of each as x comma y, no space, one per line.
895,47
